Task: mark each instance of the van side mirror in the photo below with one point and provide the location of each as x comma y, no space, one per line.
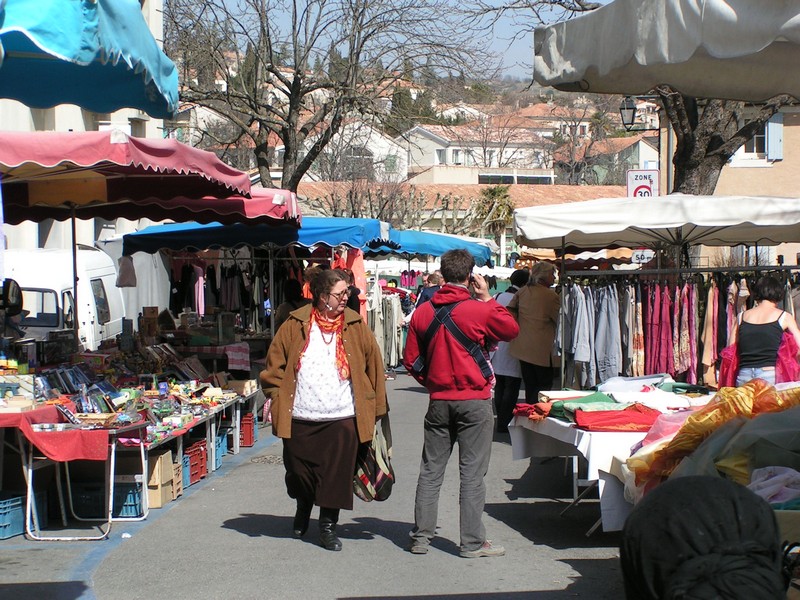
11,298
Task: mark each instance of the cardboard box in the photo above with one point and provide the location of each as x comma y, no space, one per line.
150,312
159,495
243,387
96,360
159,468
148,327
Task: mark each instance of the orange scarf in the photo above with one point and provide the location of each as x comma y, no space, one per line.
334,328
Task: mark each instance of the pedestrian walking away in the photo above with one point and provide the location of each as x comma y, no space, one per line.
325,377
536,306
447,351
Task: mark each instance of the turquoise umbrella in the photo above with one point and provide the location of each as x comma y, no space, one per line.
97,54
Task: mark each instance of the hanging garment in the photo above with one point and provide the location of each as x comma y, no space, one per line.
685,349
665,364
676,331
694,320
708,337
638,336
608,352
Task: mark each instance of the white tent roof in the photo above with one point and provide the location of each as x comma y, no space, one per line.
660,220
735,49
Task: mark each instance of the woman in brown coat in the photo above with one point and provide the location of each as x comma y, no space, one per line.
326,380
536,307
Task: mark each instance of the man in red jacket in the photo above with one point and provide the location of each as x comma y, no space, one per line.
446,351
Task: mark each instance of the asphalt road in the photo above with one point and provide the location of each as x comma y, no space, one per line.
230,537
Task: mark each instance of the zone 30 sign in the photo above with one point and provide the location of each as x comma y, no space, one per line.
642,183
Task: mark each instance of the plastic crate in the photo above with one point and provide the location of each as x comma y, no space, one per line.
127,500
221,448
248,430
177,480
198,461
12,513
186,471
89,500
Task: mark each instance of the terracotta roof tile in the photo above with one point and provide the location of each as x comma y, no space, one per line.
522,195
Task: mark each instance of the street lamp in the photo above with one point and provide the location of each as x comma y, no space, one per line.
627,111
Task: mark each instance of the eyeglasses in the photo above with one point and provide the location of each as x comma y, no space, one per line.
341,295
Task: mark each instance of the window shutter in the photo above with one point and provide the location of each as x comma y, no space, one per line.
775,137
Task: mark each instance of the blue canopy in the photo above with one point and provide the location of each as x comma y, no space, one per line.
415,245
99,55
330,231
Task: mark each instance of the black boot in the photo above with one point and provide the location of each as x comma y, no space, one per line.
328,517
301,517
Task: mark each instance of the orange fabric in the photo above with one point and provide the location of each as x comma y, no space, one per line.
355,262
333,328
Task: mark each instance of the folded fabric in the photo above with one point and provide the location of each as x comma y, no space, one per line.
636,417
557,411
775,484
540,411
522,409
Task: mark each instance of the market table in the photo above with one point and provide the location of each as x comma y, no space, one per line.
41,448
553,437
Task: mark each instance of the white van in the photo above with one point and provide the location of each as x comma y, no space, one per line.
46,279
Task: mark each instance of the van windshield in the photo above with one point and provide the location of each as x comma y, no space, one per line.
39,308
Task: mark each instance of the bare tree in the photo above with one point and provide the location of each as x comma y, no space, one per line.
396,203
298,68
573,143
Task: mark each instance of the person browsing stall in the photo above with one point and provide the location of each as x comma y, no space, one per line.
507,371
759,332
293,292
432,285
450,360
325,378
536,307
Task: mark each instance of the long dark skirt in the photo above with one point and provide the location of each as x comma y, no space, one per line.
320,459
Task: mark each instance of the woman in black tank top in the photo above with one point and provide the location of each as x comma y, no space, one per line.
760,331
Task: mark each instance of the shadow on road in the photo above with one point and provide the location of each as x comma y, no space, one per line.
595,586
361,528
56,590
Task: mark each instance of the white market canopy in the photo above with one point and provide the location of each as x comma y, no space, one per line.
660,221
731,49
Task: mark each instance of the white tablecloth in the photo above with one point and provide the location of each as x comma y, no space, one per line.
552,437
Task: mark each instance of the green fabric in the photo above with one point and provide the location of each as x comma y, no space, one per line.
559,412
573,406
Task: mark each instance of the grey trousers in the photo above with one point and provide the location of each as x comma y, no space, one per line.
471,424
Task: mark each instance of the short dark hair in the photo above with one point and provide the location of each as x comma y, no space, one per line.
293,290
324,281
519,277
768,288
456,265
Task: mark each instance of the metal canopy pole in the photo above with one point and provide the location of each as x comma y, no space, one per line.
75,321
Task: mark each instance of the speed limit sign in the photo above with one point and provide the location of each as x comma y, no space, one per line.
642,183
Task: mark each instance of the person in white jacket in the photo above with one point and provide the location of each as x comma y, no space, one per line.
507,372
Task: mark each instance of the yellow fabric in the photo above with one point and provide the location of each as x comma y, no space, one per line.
753,398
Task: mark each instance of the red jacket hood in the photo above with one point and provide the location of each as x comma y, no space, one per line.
450,293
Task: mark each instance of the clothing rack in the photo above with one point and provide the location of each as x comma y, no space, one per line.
578,276
593,274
